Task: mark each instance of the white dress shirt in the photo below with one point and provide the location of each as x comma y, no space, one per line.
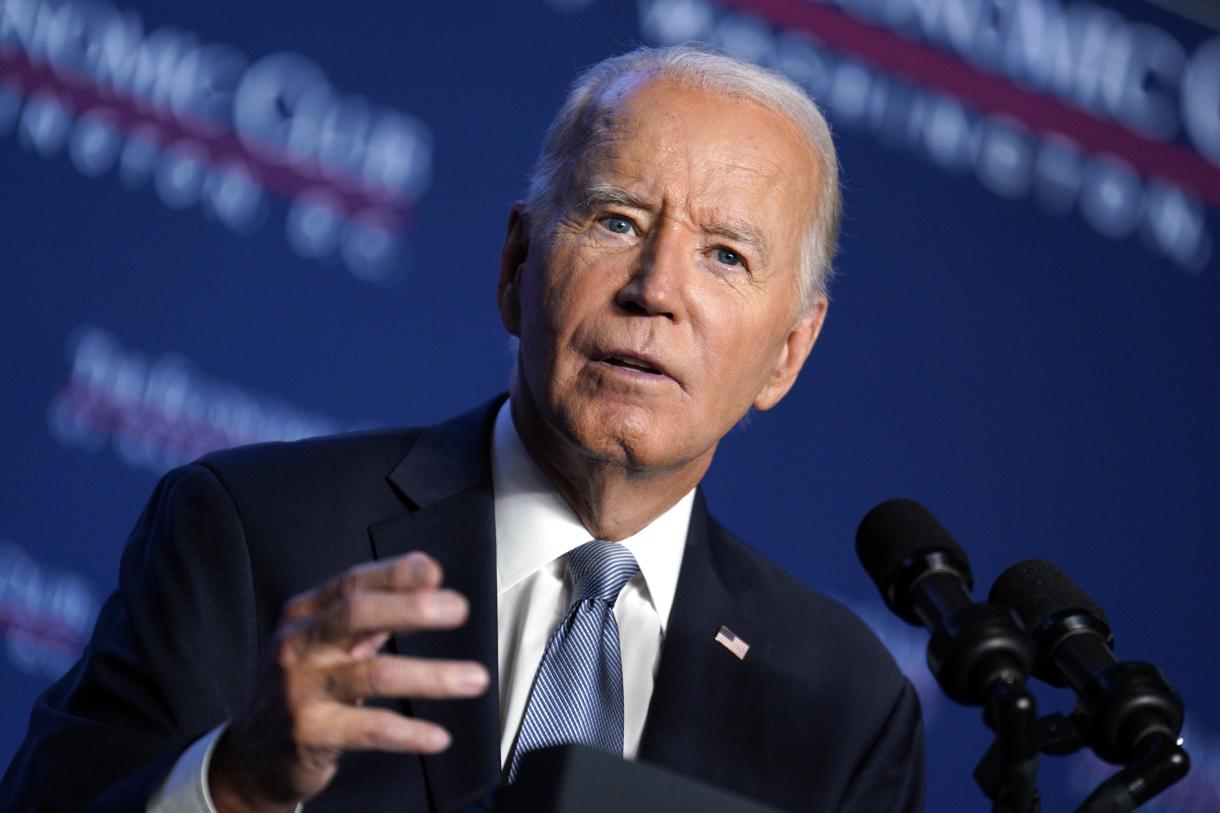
535,529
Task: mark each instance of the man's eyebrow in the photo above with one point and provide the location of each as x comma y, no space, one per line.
598,195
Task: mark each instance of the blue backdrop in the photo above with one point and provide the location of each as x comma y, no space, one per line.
219,220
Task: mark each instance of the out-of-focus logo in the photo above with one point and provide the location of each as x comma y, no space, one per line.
161,412
207,127
45,613
1066,104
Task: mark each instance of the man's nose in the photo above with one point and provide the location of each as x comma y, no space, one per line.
655,287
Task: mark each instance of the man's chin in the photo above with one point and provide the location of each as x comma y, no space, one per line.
634,445
609,430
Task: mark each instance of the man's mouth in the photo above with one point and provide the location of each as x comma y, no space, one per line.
634,364
637,363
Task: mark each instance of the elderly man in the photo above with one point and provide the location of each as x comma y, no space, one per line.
387,621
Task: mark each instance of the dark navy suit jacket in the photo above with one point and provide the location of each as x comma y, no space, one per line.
816,717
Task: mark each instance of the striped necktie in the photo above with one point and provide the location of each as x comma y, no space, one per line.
577,695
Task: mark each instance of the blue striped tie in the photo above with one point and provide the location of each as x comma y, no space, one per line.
578,691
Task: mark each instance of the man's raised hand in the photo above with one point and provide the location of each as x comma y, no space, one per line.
306,708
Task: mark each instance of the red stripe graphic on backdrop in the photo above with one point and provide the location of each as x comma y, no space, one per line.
937,69
285,179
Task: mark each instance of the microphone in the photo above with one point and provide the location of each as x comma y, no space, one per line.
924,577
1129,706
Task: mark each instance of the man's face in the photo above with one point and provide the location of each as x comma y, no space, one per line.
665,301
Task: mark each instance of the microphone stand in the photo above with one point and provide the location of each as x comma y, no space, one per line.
1008,773
981,656
1161,763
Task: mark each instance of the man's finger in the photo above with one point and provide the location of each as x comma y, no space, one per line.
396,676
335,726
412,571
379,611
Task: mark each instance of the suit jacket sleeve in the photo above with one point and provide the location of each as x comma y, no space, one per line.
891,777
168,660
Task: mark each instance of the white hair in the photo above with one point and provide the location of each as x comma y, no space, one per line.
577,123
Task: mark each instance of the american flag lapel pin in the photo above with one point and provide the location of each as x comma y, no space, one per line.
729,640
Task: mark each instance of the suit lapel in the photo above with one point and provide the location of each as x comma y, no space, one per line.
702,691
447,476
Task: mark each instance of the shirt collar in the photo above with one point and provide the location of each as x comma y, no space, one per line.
535,525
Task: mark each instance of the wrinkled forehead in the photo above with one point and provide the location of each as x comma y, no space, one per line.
722,149
630,104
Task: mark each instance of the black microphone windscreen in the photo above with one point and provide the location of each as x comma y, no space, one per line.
897,529
1038,590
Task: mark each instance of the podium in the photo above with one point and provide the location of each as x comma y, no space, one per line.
578,779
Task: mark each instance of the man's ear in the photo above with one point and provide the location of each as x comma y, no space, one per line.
512,260
797,345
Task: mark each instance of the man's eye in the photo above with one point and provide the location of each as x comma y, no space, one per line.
618,225
727,256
